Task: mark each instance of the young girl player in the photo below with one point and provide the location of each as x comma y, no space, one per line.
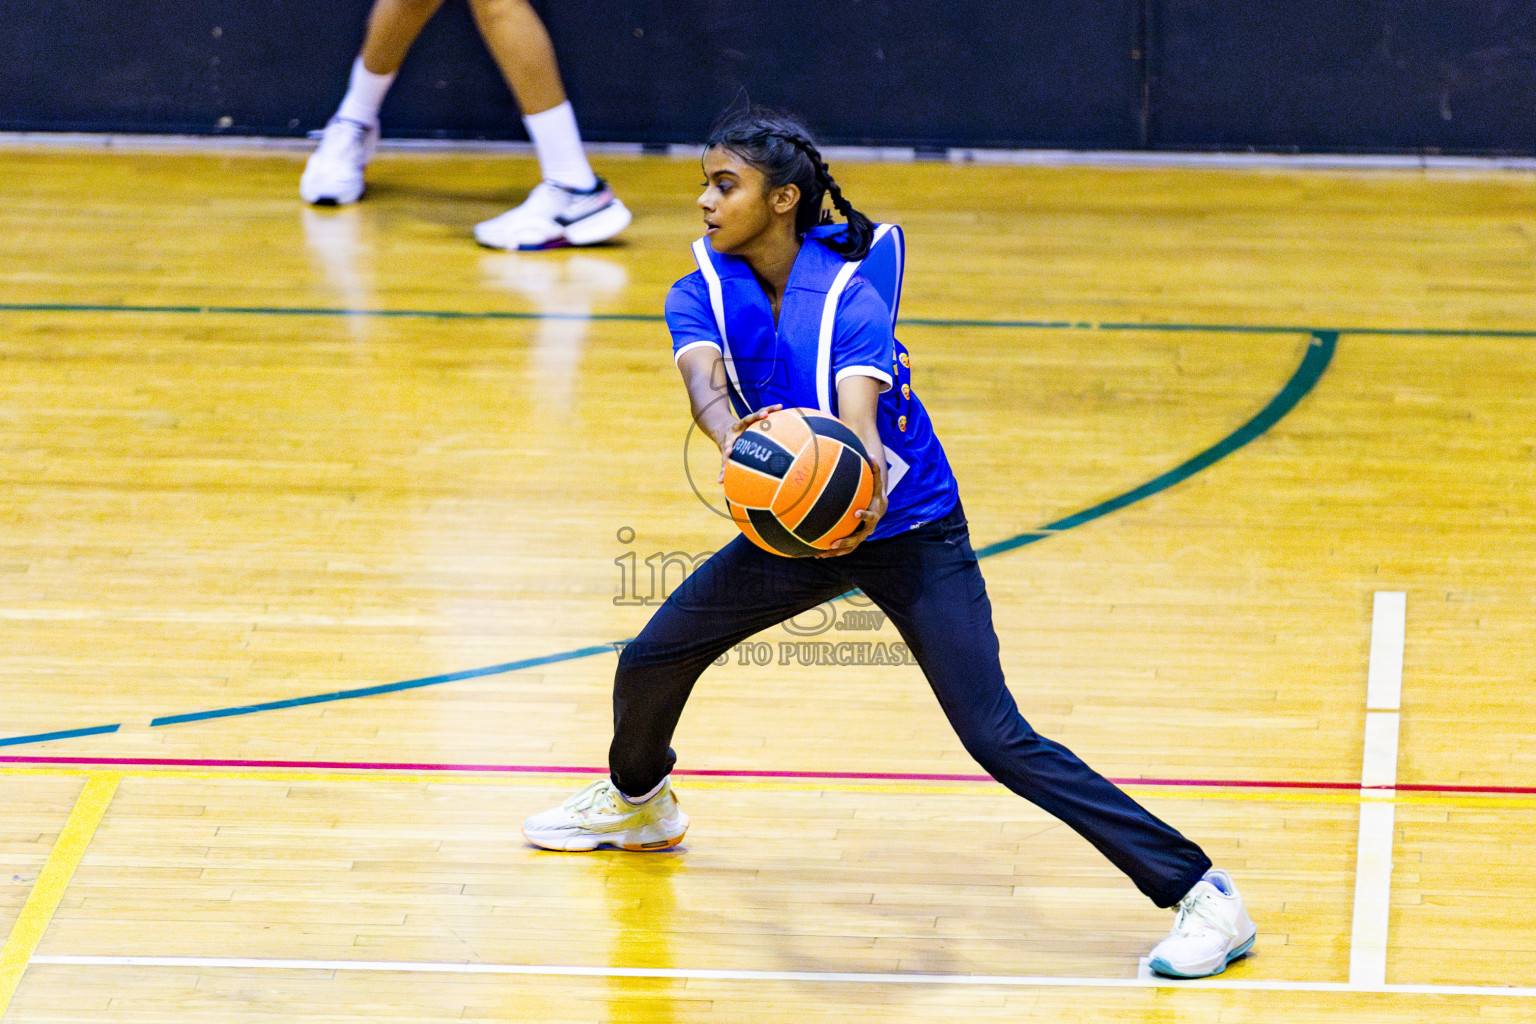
782,313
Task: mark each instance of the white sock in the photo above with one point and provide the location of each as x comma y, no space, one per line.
557,141
638,800
365,95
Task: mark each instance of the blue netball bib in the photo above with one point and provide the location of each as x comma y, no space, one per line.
837,318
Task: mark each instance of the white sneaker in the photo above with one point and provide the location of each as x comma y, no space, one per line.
334,174
1212,929
600,816
553,216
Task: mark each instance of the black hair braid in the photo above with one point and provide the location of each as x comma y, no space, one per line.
779,145
854,243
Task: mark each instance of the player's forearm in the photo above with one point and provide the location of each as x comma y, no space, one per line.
858,400
703,374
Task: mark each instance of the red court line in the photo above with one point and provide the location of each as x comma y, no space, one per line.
545,769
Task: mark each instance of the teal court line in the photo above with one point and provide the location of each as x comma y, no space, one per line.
1318,356
62,734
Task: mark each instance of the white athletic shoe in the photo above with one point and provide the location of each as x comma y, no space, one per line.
1212,929
334,174
554,216
600,816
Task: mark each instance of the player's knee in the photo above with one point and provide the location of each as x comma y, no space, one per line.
631,656
997,743
644,655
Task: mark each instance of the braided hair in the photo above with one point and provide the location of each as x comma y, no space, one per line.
779,146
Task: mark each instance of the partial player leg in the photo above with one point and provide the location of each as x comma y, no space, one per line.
929,584
738,592
334,174
571,206
734,594
520,44
393,26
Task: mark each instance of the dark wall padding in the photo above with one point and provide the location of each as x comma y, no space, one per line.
963,72
1364,75
1380,75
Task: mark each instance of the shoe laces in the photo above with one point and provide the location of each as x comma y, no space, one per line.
343,137
600,797
1201,911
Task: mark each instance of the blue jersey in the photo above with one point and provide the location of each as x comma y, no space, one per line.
836,319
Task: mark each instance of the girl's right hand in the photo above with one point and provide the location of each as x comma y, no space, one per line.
736,430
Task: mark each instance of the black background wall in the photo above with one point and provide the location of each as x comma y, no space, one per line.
1453,76
1377,75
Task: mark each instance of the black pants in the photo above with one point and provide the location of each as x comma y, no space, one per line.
929,585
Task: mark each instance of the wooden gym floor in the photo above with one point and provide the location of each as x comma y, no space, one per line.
317,527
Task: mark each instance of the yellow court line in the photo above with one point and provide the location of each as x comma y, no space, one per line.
68,849
1212,793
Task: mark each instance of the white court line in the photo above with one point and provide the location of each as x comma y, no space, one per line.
1378,776
1384,683
824,977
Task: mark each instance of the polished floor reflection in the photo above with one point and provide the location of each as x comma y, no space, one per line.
318,529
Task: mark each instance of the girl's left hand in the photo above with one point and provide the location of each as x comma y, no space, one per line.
728,439
867,520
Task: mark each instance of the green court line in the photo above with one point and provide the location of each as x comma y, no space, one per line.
651,318
1319,356
1315,362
